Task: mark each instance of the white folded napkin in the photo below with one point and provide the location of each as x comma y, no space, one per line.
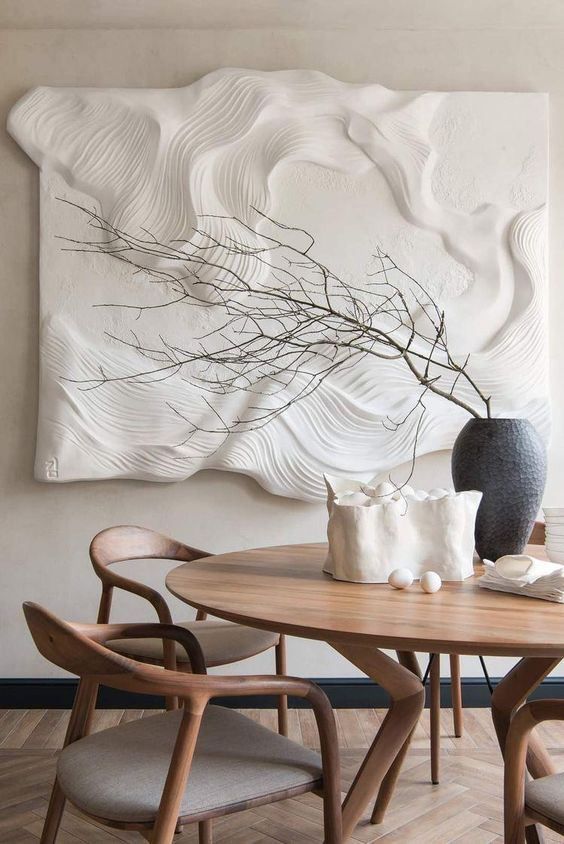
525,575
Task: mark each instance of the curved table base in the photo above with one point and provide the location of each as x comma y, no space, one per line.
402,680
380,768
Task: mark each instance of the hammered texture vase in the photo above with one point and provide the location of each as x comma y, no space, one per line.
505,459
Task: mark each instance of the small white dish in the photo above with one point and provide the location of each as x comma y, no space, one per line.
556,530
555,556
550,512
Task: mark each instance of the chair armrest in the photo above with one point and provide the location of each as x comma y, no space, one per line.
522,724
103,633
112,580
326,727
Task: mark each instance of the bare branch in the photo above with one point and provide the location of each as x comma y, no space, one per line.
282,321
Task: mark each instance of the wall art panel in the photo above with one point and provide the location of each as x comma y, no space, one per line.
210,255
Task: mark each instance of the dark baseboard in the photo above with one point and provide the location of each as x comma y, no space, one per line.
344,693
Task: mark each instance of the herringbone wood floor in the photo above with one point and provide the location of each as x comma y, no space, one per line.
466,807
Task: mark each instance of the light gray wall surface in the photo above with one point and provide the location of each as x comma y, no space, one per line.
507,45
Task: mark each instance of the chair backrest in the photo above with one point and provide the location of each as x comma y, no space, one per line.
130,542
80,649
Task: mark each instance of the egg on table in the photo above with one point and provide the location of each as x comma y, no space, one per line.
400,578
430,581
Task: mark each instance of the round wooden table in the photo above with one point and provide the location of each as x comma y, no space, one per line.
284,589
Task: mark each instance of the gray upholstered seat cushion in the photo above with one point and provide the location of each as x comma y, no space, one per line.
221,643
546,796
119,774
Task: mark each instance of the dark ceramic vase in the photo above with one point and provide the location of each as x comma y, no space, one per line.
505,459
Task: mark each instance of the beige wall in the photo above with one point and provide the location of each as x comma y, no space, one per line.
499,45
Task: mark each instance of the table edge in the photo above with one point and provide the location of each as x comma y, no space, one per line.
396,643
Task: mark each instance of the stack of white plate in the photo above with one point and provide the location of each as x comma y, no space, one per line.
554,517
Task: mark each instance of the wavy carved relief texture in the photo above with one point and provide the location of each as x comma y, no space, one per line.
452,185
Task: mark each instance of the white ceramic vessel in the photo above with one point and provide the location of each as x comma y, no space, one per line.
369,539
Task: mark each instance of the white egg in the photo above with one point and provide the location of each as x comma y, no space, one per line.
407,490
352,499
430,581
420,495
400,578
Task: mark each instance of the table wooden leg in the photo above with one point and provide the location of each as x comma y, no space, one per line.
386,790
435,717
380,768
507,697
456,694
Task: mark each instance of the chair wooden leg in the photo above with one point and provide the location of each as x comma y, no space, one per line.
54,815
435,712
283,699
456,694
89,720
175,783
79,725
205,834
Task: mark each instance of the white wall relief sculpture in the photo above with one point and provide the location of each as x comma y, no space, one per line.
452,186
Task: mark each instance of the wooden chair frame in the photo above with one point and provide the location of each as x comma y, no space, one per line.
537,538
129,542
517,815
79,648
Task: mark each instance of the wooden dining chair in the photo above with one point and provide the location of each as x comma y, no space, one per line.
434,672
222,643
187,765
537,801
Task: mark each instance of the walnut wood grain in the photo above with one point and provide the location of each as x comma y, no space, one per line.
407,699
435,717
456,693
123,543
284,589
80,649
518,816
388,784
537,537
